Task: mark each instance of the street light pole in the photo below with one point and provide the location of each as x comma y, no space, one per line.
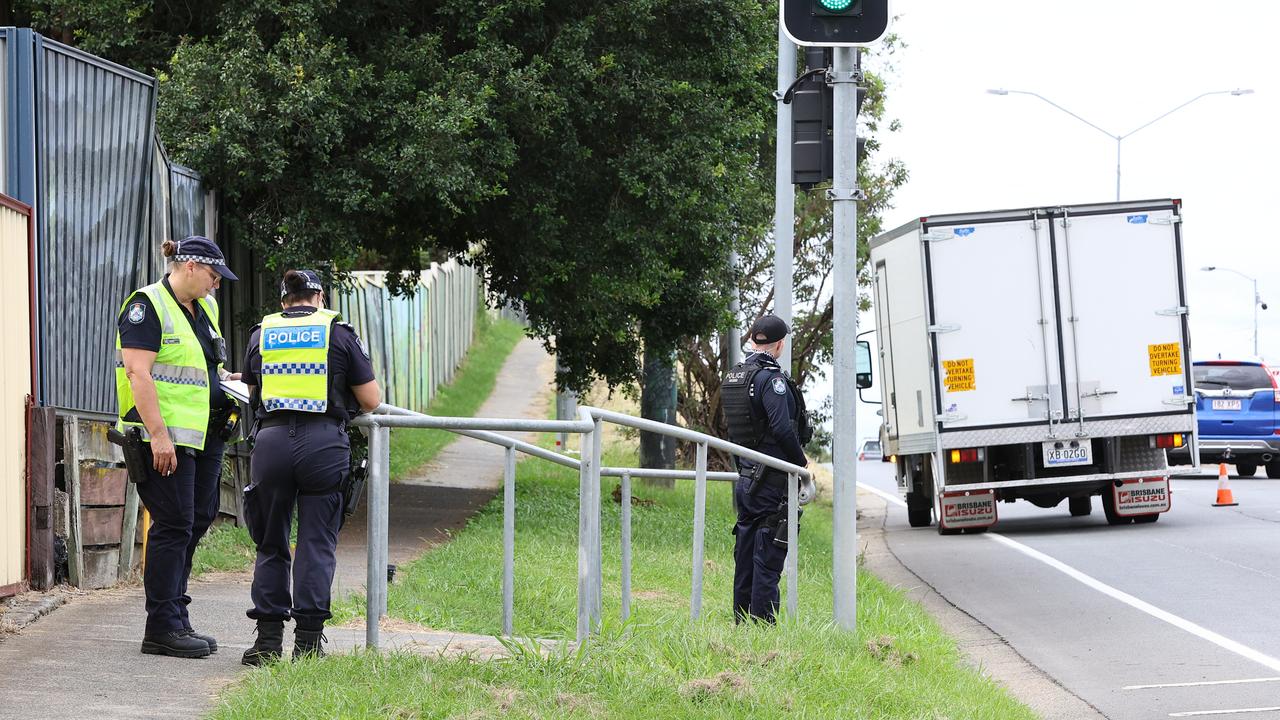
1120,138
1257,300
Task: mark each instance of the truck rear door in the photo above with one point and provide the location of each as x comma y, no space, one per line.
991,305
1122,312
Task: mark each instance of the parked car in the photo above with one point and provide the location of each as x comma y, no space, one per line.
1236,409
870,450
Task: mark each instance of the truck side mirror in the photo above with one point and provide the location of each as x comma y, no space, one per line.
863,365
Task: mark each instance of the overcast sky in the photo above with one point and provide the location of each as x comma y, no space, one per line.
1118,64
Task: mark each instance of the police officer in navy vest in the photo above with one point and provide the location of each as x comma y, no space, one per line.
764,411
308,374
169,368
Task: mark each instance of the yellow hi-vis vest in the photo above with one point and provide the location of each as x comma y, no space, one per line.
295,361
180,371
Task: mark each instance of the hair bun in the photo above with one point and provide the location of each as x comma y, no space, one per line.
169,248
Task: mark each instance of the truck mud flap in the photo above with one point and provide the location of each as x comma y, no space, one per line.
968,509
1141,496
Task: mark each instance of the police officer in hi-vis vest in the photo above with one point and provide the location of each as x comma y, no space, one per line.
308,374
764,411
169,358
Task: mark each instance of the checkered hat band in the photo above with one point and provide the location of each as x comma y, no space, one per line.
274,404
199,259
295,368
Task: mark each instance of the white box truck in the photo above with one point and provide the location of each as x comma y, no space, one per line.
1038,355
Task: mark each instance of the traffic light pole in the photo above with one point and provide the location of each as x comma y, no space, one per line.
845,194
784,213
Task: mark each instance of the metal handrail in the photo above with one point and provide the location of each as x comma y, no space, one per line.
800,490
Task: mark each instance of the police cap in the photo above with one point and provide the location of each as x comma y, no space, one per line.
203,250
310,279
768,329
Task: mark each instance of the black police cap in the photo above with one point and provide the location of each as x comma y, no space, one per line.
203,250
311,279
768,329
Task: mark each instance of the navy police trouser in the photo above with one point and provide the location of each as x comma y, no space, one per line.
182,506
757,562
302,463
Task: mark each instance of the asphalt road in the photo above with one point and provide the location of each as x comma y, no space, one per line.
1180,618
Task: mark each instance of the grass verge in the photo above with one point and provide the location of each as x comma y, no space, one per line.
899,664
228,548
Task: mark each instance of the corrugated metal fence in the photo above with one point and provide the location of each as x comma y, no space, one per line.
15,386
416,343
79,147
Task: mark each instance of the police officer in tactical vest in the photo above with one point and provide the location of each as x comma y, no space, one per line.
169,368
308,374
765,412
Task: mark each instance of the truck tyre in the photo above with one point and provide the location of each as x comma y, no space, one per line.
1080,506
949,531
1109,509
1273,469
1141,519
1246,469
919,510
919,517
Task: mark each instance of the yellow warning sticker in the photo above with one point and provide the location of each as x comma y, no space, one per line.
1165,359
959,377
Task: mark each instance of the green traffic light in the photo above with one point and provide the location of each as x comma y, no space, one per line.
835,6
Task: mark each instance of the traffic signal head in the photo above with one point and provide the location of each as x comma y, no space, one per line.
830,23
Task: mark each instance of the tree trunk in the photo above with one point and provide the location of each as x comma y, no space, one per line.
658,402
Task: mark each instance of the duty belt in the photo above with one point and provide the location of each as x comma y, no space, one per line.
277,419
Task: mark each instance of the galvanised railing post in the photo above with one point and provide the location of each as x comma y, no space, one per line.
508,541
626,546
699,529
793,552
597,547
585,554
376,580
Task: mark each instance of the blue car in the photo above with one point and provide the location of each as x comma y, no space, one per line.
1236,404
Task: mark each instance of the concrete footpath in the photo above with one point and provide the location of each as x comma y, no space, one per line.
83,659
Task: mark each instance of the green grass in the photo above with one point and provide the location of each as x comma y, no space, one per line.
494,340
224,548
228,548
660,664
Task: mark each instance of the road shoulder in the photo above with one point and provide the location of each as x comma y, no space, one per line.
984,649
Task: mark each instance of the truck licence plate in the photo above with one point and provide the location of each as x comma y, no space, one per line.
1061,453
1233,404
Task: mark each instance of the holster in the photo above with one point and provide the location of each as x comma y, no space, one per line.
136,457
353,488
225,421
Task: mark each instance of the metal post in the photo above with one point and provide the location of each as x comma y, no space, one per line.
784,195
585,554
626,546
845,321
597,549
508,541
376,580
699,529
792,563
1256,302
1118,139
566,409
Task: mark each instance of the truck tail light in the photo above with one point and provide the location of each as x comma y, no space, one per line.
1167,441
967,456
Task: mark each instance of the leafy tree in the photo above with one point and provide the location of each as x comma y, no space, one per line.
596,161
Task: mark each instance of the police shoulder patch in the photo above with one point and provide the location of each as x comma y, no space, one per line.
780,386
137,313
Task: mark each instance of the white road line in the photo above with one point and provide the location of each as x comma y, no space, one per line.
877,491
1241,711
1124,597
1200,684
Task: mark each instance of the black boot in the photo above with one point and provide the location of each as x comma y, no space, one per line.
175,643
208,639
269,645
306,643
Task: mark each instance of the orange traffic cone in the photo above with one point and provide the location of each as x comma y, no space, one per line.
1224,490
